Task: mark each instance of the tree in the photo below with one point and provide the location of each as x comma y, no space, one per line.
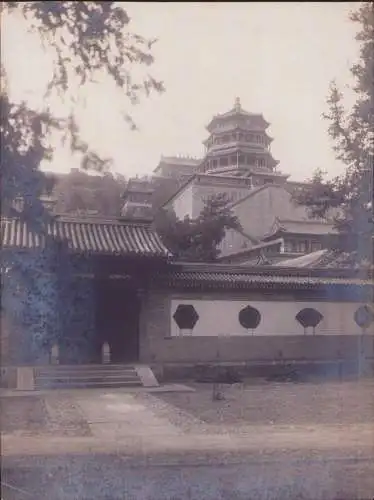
87,41
352,132
79,193
163,189
197,239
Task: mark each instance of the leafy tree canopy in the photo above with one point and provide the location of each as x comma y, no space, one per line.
78,193
197,239
87,41
352,133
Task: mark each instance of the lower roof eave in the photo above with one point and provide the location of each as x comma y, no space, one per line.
227,281
72,252
219,287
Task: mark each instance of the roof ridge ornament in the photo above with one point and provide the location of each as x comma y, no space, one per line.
238,106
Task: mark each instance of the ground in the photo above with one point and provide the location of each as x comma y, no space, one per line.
263,440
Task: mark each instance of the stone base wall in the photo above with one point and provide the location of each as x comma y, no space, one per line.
249,349
298,371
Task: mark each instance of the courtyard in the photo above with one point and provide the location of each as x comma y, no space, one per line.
272,430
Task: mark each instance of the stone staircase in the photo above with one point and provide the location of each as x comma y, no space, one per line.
92,376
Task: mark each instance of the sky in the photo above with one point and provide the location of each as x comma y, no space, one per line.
279,58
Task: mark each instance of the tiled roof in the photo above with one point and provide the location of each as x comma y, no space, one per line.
306,226
179,160
113,237
253,251
309,227
325,259
234,280
218,276
308,260
234,112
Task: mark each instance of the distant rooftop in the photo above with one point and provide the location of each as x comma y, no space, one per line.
325,259
179,160
88,235
182,160
238,110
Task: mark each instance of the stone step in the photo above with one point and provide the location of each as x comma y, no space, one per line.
86,376
85,373
57,371
86,381
90,377
83,368
84,384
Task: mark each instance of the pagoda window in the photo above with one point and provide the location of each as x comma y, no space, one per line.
303,246
293,246
248,137
225,138
288,246
214,163
242,159
299,246
315,246
223,162
233,160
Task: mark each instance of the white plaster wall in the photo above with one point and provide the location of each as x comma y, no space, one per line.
182,204
234,242
220,318
257,213
202,192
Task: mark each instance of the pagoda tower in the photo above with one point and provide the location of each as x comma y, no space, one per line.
238,145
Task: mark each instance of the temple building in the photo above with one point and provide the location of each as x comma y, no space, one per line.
238,161
96,292
104,292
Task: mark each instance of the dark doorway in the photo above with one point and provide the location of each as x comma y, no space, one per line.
117,321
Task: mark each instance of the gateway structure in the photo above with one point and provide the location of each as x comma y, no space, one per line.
86,283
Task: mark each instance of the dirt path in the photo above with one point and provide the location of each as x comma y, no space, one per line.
179,424
275,441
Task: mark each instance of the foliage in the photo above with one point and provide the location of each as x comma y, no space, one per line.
163,189
197,239
87,41
352,132
79,193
